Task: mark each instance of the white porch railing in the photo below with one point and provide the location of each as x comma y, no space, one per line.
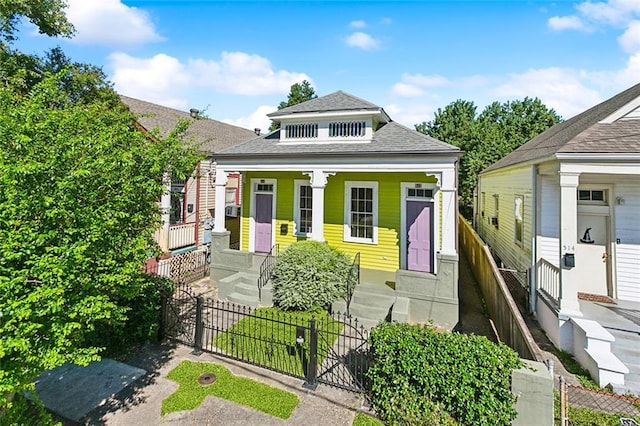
549,279
182,235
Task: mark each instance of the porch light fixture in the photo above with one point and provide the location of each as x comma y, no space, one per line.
620,201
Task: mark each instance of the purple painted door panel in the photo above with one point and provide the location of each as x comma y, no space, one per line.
264,205
420,236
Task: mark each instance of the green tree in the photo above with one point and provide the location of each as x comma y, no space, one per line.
48,15
79,185
495,132
300,92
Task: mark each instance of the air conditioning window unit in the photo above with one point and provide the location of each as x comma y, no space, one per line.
232,211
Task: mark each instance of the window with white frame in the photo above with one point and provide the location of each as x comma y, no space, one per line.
361,212
303,207
518,213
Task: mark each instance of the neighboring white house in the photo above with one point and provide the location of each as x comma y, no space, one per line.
565,206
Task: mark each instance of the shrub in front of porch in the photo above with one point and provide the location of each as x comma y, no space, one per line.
309,274
420,375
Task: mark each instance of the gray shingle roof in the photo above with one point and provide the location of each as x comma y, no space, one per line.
391,138
583,134
210,135
337,101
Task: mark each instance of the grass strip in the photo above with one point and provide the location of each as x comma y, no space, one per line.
362,419
241,390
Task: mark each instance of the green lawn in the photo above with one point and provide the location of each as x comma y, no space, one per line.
267,338
240,390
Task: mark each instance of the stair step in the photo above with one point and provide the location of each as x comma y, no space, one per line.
375,289
368,312
247,289
243,299
373,299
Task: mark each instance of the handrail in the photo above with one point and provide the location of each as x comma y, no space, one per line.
266,269
548,276
353,279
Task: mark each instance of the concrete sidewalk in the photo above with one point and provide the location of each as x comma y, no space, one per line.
140,403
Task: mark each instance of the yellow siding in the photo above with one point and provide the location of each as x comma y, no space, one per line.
385,255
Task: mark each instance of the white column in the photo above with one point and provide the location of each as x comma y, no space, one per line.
448,192
220,200
165,212
318,183
568,211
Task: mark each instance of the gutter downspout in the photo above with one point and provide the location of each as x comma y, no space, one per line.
533,270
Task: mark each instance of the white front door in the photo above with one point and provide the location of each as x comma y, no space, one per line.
592,254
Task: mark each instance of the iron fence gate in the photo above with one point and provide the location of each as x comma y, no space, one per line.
329,349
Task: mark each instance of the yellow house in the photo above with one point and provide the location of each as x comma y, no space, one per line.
340,171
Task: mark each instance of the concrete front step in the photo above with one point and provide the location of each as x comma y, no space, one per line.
243,299
375,289
375,300
247,289
368,312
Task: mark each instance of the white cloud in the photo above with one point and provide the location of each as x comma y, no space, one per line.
559,23
163,76
425,80
611,12
362,40
630,39
410,114
256,120
110,22
160,79
405,90
561,89
357,24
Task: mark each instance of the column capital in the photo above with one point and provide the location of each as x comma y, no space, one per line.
318,178
221,177
569,179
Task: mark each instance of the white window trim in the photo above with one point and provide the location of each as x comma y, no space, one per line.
348,185
296,207
515,220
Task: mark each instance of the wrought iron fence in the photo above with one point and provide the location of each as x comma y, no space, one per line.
266,268
577,402
330,349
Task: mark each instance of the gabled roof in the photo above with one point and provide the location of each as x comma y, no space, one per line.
391,138
337,101
210,135
583,134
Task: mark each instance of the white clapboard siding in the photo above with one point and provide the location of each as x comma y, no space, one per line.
501,239
628,271
549,207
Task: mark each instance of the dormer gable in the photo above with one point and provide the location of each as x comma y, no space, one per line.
335,118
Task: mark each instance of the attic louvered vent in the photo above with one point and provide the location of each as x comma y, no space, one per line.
344,129
301,131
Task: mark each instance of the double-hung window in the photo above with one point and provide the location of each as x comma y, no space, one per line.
361,212
303,207
518,210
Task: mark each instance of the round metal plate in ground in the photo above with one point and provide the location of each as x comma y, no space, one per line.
207,378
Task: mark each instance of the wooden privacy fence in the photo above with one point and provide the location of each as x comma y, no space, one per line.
503,310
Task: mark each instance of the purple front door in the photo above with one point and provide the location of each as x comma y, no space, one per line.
264,205
420,236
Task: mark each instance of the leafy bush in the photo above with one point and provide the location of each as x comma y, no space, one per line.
309,274
139,320
420,374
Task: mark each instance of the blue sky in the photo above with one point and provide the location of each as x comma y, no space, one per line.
237,60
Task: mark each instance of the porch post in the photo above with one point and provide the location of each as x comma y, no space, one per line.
447,181
165,212
220,200
568,238
318,183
